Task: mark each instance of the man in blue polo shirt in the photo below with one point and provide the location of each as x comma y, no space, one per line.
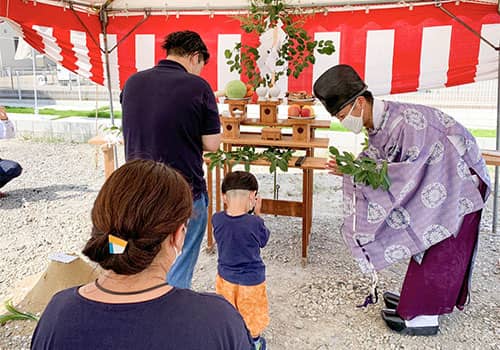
170,115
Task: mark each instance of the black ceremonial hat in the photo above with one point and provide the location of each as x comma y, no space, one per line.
337,87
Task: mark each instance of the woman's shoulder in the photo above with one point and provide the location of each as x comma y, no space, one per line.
206,303
206,299
66,295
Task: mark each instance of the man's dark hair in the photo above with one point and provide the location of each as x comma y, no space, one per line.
368,95
186,43
239,180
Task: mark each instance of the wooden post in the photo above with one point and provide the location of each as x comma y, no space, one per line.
108,152
109,159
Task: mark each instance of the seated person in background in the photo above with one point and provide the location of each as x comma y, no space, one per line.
241,272
139,222
8,168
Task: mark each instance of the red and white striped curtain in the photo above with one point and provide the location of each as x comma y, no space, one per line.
395,50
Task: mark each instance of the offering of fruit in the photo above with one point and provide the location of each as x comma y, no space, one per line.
310,109
305,113
297,111
236,89
294,110
250,90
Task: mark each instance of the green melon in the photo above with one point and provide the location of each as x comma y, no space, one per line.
236,89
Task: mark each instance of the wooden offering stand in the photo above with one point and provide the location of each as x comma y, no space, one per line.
238,107
302,138
269,111
237,113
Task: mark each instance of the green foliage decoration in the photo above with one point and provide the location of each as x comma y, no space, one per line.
364,170
277,158
297,50
14,314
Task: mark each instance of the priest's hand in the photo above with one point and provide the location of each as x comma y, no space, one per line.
332,168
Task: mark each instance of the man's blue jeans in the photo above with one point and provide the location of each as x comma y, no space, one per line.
8,170
181,273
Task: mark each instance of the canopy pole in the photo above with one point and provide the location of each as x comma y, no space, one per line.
104,23
35,93
495,191
103,16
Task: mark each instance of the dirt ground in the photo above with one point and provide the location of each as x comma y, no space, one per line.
311,307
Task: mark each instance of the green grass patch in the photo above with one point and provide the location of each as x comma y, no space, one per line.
483,132
336,126
102,112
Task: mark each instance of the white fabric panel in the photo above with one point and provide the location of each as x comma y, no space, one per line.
434,57
487,66
113,61
144,51
51,49
225,42
79,41
282,83
323,62
378,64
23,51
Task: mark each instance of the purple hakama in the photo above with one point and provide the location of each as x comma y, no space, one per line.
441,281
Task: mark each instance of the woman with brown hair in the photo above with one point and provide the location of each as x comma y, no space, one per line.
139,222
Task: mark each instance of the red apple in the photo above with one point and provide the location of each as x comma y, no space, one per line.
310,108
305,112
294,111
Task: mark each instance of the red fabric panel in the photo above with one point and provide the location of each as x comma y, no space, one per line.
353,26
27,14
64,41
464,48
161,26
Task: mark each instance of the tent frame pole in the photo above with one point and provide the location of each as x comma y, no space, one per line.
103,17
497,170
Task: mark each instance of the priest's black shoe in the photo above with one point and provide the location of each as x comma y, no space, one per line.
396,323
391,300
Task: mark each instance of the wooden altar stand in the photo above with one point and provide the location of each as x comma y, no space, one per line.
302,208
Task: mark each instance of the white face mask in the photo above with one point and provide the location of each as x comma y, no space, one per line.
352,123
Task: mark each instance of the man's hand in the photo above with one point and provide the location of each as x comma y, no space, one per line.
332,168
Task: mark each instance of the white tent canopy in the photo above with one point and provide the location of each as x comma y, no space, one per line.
132,6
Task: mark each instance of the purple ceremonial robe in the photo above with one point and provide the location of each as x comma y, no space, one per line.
429,158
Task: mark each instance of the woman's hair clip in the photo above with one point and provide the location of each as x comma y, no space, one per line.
116,245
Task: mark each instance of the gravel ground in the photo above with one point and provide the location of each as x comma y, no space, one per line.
311,307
